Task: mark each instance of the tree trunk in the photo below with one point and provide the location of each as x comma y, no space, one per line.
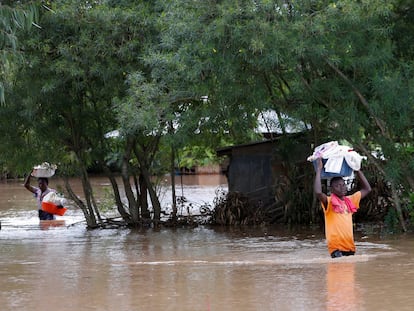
90,219
156,206
174,196
142,158
90,200
132,201
89,216
145,213
121,210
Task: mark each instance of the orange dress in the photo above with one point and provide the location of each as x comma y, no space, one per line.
339,227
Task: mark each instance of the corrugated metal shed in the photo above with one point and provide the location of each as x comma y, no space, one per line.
255,169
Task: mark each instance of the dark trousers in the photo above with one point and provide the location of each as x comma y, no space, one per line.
339,253
45,215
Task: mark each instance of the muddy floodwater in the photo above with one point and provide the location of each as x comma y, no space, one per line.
63,266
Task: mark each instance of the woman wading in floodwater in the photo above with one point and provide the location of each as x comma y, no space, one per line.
39,193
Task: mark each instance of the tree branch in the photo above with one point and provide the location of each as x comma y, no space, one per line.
364,102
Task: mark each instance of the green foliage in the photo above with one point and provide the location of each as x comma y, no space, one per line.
78,63
14,16
196,155
189,76
403,31
143,110
411,206
391,221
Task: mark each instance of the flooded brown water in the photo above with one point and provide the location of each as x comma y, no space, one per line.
66,267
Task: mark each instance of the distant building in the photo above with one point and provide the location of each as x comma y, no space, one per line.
258,169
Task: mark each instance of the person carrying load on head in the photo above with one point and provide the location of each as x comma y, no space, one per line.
338,209
40,192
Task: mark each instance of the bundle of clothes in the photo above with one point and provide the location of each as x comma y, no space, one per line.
338,160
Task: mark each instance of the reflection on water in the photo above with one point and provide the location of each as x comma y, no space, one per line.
63,266
47,224
342,290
